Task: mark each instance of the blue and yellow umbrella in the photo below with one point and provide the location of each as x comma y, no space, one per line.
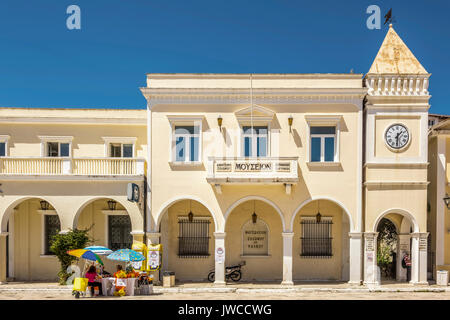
85,254
126,255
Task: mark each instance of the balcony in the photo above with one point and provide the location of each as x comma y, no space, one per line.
282,170
70,167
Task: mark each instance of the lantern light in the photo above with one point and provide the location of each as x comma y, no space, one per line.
318,215
447,201
219,122
44,205
112,205
254,216
190,214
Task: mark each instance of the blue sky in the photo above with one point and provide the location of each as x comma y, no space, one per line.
43,64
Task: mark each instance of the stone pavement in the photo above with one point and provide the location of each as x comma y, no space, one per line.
261,287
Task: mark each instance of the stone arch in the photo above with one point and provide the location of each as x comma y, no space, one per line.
304,203
9,209
249,198
166,205
402,212
136,223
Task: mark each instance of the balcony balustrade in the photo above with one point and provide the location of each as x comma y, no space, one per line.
252,170
71,166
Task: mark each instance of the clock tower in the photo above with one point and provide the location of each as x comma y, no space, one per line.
395,164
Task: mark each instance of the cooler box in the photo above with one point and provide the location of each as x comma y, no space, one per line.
168,279
442,278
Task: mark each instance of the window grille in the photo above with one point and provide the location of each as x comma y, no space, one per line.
316,240
193,239
119,234
52,227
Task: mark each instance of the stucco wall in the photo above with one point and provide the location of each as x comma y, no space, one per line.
185,268
308,268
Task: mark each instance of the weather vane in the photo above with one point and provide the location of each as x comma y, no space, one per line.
388,17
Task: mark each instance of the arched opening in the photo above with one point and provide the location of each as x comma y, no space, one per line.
321,242
187,235
253,230
387,249
109,225
394,258
30,224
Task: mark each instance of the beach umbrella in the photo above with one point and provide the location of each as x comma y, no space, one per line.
100,250
85,254
126,255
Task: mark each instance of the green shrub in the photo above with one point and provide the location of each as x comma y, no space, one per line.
63,242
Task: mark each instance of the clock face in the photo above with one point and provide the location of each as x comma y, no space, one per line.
397,136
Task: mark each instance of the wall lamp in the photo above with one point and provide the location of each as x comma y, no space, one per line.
44,205
290,121
447,201
219,122
112,205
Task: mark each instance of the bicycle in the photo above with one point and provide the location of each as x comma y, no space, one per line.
234,273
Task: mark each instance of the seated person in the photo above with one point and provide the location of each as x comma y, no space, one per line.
119,281
92,280
119,270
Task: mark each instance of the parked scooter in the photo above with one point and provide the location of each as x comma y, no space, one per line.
234,273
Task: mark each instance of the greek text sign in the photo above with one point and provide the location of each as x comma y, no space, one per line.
369,244
423,244
255,238
252,167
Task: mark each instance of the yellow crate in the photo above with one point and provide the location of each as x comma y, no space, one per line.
80,284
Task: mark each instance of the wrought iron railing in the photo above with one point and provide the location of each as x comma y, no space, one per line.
316,240
193,240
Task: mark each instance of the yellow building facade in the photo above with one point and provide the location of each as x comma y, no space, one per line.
291,173
438,191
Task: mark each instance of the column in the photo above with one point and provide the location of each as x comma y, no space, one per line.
138,236
153,238
403,248
219,258
3,259
149,214
419,258
355,257
371,271
287,258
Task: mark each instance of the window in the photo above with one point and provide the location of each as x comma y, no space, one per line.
323,144
4,145
121,150
2,149
255,142
52,227
58,149
187,143
119,232
193,237
52,146
316,237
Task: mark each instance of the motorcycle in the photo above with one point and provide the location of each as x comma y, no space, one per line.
234,273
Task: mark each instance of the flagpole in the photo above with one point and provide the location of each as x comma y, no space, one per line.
251,112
